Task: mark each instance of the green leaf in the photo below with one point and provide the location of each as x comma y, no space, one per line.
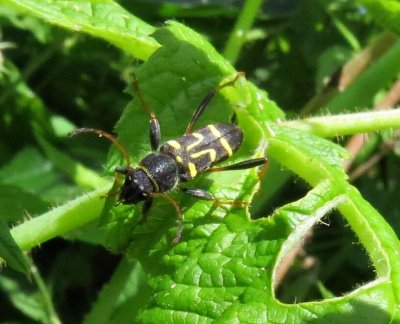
311,157
315,159
29,303
174,82
233,266
40,30
102,18
35,175
386,12
122,296
10,251
81,175
35,178
223,258
32,300
17,204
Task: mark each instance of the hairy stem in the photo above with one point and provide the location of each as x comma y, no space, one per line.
347,124
46,296
59,220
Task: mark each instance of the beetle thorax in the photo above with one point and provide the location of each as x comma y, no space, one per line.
157,172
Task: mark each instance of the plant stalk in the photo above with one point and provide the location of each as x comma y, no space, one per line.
348,124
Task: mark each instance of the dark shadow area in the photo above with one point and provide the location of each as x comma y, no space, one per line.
331,261
77,274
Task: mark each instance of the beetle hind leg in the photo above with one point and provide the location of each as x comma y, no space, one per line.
205,195
207,99
243,165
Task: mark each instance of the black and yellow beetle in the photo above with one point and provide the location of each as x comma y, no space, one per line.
179,160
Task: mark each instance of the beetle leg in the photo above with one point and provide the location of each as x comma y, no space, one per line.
204,103
155,130
248,164
205,195
178,235
145,209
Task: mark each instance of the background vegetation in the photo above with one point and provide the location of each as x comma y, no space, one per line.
312,57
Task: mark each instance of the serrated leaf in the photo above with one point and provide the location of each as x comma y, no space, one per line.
174,82
223,258
302,152
102,18
228,277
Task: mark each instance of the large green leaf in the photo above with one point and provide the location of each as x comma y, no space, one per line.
174,81
224,258
101,18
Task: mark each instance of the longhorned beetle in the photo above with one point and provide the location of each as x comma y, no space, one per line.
179,160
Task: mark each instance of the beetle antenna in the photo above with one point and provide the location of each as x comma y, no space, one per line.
101,133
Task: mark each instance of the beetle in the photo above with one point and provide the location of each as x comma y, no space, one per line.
179,160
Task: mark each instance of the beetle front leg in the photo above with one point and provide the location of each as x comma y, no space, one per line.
178,210
145,209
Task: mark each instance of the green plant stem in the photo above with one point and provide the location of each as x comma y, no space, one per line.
348,124
46,297
347,34
59,220
242,26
